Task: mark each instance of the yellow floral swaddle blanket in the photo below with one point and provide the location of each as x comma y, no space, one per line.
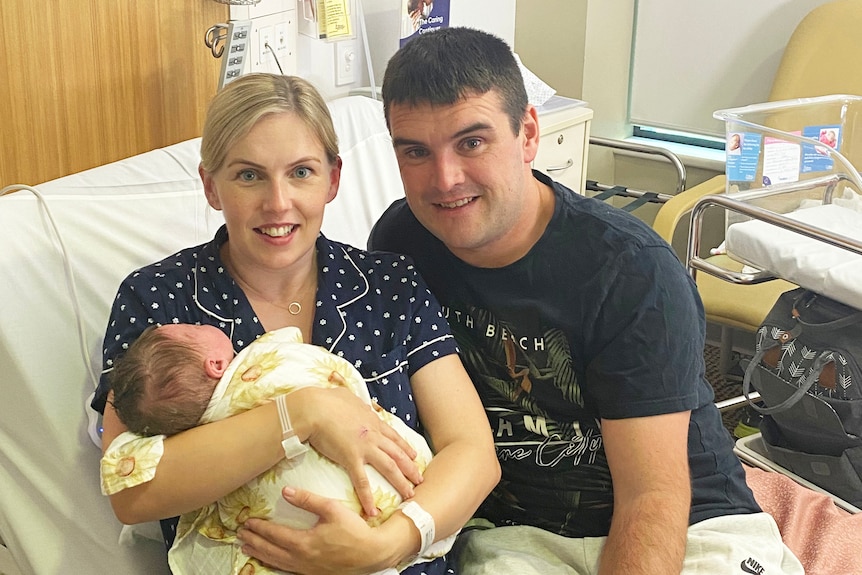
276,363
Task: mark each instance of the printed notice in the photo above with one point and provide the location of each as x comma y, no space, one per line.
781,160
422,16
818,158
335,19
743,155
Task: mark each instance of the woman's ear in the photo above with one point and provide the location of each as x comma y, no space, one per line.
334,179
209,188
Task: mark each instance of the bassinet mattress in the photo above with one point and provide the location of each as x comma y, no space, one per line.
813,264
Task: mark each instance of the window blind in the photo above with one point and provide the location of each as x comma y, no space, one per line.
692,57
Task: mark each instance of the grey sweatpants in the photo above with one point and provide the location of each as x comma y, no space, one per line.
732,545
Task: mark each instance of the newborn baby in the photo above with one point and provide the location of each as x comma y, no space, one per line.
177,376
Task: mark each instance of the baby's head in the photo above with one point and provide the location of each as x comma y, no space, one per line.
164,381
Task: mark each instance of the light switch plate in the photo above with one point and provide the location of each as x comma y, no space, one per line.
346,62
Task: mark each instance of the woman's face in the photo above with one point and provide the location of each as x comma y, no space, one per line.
272,188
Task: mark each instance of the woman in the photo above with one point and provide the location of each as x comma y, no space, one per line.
269,162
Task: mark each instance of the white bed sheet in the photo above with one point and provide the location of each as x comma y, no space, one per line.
823,268
369,178
112,219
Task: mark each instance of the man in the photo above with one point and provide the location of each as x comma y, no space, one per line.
581,331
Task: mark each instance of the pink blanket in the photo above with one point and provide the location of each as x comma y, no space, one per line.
826,539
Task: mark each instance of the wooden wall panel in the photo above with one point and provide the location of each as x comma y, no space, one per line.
87,82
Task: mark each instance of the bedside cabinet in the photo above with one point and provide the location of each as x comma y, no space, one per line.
564,134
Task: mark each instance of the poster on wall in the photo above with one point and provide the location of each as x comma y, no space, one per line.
422,16
326,19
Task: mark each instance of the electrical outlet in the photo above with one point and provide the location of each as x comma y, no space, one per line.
279,31
236,51
345,62
266,42
280,38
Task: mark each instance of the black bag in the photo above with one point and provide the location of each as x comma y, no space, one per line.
807,371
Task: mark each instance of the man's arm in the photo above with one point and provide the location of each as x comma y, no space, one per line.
648,460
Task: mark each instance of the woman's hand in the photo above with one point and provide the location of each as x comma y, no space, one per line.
340,543
344,429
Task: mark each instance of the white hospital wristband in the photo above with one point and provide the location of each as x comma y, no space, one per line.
290,442
423,522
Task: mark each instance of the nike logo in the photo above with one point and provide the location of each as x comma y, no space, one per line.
751,566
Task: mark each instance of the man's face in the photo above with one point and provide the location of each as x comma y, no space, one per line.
467,175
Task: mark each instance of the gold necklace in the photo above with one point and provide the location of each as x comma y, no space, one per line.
293,308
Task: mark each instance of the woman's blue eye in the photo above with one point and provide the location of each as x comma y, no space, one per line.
247,176
302,172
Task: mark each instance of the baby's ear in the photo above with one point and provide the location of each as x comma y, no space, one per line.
215,368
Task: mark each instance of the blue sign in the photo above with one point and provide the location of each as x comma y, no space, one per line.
422,16
743,154
817,158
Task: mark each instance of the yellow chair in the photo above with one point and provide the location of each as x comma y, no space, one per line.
822,57
726,304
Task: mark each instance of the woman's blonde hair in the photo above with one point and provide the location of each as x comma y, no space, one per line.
235,110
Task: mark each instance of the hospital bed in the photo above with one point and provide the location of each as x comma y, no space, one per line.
64,247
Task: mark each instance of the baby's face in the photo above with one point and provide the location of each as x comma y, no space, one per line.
209,339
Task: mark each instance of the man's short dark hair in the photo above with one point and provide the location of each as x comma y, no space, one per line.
445,66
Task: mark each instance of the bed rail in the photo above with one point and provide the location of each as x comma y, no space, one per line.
738,203
606,191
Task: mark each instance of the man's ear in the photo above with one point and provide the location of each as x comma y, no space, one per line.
334,179
215,368
530,126
209,188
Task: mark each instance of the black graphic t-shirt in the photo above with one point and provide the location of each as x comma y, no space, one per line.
598,321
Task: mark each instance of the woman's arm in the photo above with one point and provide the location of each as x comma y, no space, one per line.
465,467
193,470
207,462
462,473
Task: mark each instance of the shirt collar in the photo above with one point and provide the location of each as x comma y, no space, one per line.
342,282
